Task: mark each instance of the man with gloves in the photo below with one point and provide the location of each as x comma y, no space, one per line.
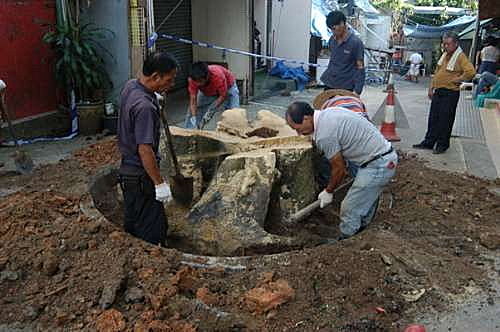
210,87
344,136
144,190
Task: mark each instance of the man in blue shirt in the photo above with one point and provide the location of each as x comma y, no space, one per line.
346,68
144,189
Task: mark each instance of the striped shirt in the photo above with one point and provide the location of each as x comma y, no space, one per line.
351,103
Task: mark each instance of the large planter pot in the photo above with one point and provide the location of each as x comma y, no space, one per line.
110,122
90,118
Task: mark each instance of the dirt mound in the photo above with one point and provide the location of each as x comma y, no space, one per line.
61,269
98,154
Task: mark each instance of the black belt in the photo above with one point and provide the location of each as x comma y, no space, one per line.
363,165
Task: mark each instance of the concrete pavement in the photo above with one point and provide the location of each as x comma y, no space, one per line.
470,155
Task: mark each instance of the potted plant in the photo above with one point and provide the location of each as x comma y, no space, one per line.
80,68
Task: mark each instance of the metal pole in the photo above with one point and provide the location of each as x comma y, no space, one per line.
473,48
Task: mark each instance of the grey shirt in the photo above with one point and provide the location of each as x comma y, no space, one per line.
138,123
342,71
338,129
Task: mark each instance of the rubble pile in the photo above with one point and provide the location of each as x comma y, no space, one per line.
64,267
97,155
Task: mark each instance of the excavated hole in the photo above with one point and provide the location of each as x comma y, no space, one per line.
310,232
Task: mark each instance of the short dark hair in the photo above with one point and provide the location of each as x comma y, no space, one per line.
334,18
298,110
451,34
490,41
159,62
199,70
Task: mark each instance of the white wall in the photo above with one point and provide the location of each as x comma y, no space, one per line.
113,15
291,28
224,23
260,17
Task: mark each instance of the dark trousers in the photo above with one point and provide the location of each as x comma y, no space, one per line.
441,118
144,216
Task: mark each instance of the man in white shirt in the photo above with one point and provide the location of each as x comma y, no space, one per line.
415,61
344,136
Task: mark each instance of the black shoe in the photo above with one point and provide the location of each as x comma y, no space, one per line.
439,150
422,146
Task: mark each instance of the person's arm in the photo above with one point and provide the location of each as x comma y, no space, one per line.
430,92
222,92
360,75
149,163
220,100
193,104
193,94
338,172
468,70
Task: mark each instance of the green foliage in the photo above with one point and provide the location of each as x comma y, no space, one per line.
79,65
395,5
401,10
467,4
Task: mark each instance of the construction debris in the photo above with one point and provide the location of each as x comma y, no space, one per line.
269,296
57,255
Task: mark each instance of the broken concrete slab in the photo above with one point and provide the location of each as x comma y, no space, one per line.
230,216
267,119
234,122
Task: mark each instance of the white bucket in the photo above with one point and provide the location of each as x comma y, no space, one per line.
109,108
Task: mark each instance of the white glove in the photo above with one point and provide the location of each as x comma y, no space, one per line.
192,120
2,85
325,198
159,97
163,193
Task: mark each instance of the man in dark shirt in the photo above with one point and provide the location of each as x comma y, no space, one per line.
144,190
346,68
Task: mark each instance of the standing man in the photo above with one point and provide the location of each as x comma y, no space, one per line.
210,86
346,69
144,190
452,68
342,135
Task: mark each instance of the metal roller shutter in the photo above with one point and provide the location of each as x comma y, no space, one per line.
178,24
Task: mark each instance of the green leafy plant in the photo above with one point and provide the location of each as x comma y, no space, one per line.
79,63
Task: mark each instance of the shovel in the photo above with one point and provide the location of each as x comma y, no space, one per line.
24,163
182,187
301,214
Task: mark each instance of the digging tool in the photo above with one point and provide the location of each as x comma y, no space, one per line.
24,163
212,110
182,187
301,214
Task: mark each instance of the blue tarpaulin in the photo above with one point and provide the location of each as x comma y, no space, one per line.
298,74
435,32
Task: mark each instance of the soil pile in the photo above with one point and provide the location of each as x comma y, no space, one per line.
61,269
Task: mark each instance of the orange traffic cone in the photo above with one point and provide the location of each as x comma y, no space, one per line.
388,128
